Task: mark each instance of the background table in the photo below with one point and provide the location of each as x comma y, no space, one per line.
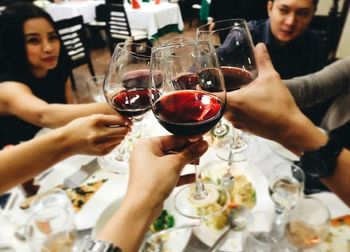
71,9
156,19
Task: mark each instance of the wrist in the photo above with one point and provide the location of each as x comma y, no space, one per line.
301,135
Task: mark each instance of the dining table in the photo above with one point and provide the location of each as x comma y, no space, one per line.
262,156
156,19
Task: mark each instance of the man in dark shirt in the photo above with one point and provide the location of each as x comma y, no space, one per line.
294,49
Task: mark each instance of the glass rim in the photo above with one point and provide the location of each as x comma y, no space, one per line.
35,213
201,29
121,46
179,45
323,205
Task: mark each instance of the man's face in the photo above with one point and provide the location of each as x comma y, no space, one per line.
289,18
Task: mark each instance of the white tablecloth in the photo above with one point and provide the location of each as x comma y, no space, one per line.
70,9
150,17
153,17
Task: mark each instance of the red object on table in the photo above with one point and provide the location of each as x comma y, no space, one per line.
135,4
157,1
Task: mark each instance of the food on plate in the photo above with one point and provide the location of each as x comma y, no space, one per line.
80,195
338,238
241,193
164,221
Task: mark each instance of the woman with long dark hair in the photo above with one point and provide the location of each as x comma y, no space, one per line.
33,73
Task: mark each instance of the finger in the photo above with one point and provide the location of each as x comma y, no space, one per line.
262,58
113,120
193,152
186,179
170,143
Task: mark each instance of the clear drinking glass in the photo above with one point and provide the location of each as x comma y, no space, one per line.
51,229
308,225
235,51
126,90
190,100
286,186
95,85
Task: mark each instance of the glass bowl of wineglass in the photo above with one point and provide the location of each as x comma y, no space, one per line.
126,90
234,47
191,100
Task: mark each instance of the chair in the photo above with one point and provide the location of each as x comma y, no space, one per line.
118,29
74,39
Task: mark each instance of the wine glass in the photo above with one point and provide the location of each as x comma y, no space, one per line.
51,229
286,186
192,99
234,48
126,90
308,225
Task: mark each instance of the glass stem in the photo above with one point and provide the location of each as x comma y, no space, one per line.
199,192
278,225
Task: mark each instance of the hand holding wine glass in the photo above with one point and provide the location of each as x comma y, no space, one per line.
191,101
126,90
234,48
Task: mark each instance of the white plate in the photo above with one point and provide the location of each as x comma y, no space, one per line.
111,190
263,203
280,150
168,205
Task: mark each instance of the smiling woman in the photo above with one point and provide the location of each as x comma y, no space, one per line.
33,75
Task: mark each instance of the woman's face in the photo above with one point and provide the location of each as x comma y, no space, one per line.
289,18
42,45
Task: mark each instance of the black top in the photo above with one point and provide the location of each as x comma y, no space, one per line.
50,89
227,9
302,56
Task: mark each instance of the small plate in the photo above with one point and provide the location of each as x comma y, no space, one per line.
280,150
263,203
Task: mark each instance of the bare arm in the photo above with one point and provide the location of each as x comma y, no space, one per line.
18,100
318,87
146,193
86,135
266,108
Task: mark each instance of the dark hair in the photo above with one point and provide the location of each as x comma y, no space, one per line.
314,1
13,56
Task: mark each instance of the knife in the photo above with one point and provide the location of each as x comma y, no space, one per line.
78,177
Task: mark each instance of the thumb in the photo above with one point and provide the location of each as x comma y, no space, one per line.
262,58
193,152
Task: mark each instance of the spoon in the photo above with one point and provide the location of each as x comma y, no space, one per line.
237,220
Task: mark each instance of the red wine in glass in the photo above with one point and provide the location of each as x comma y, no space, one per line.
186,81
188,112
133,102
236,78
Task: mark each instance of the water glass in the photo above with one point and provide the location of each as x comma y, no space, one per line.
51,229
95,85
258,234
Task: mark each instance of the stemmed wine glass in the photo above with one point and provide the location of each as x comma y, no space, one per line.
192,99
286,187
126,90
234,48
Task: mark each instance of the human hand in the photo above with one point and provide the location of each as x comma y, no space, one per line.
266,108
154,172
91,134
